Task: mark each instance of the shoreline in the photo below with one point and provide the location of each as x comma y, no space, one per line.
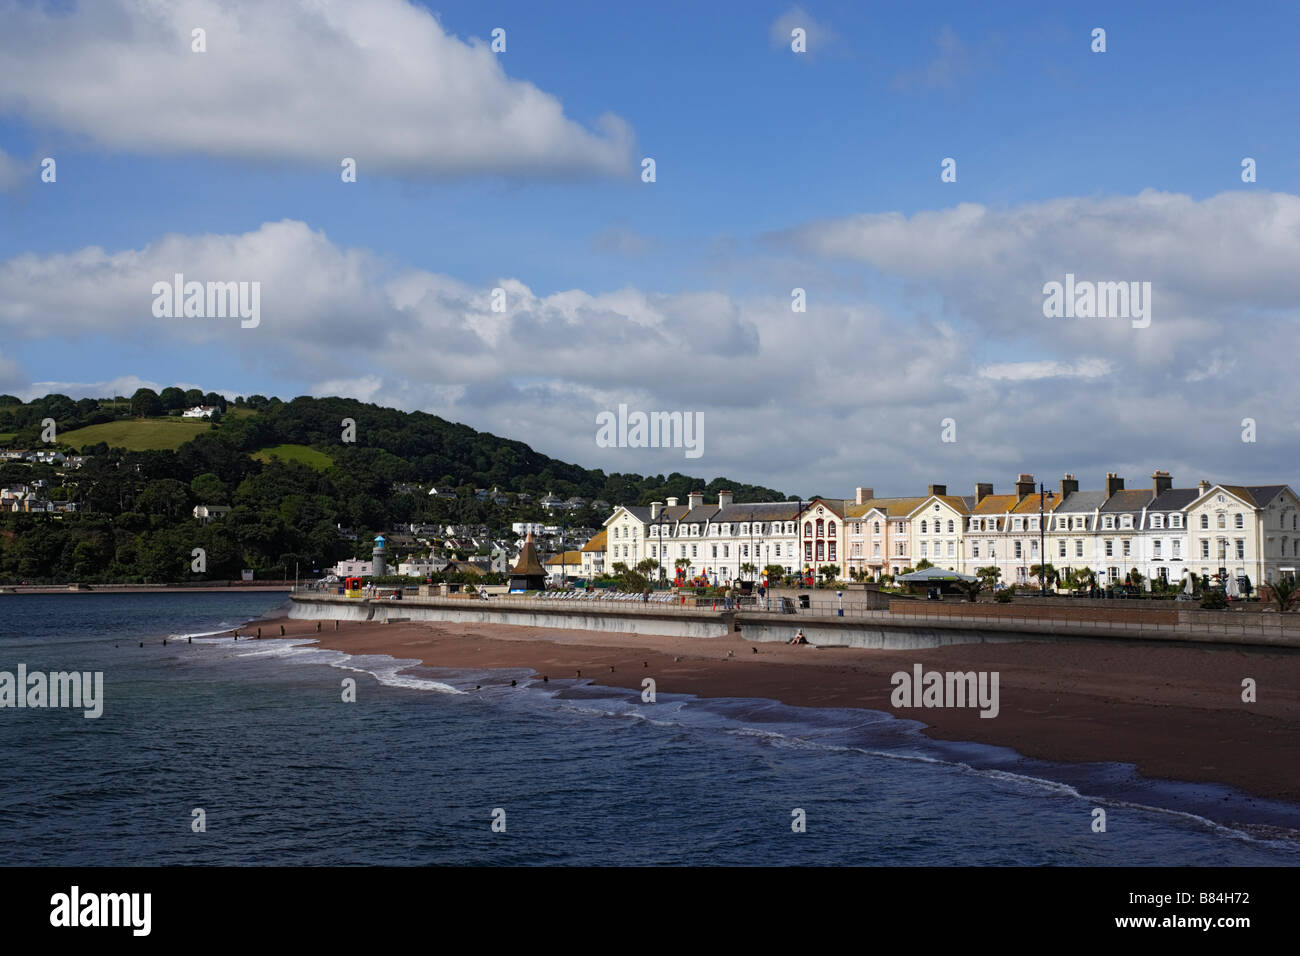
1174,712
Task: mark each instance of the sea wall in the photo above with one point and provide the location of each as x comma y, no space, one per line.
924,627
628,618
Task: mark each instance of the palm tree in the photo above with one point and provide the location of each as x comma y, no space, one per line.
748,568
1045,573
989,575
1069,579
1285,592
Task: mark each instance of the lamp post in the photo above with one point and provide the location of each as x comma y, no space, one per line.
1043,496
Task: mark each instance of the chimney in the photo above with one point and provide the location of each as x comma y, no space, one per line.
724,498
982,490
938,489
1161,482
1069,486
1202,486
1024,485
864,495
696,498
672,502
654,509
1114,483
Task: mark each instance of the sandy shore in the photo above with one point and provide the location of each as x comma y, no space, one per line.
1173,711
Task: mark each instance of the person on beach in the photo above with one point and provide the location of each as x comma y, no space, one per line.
645,596
798,638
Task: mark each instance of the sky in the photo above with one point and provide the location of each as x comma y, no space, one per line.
924,353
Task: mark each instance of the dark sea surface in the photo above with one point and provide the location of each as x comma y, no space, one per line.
258,736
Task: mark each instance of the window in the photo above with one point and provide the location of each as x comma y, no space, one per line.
1241,548
951,527
1126,521
952,553
807,529
1017,551
1060,550
1205,549
1110,521
924,525
807,550
1019,524
1239,521
1157,521
778,550
1110,548
695,550
821,551
1157,548
1205,522
830,551
1178,549
1078,547
821,528
974,549
876,529
1033,547
875,550
744,550
1128,547
1222,520
830,530
924,552
726,550
682,548
1175,521
1033,524
714,555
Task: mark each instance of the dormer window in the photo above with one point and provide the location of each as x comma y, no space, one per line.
1126,521
1157,521
1110,521
1175,521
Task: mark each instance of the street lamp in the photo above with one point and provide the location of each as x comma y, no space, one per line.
1042,537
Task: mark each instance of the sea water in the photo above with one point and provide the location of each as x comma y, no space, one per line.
258,737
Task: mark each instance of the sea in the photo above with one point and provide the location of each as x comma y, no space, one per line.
211,751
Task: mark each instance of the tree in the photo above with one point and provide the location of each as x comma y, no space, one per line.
1045,573
1285,592
748,569
989,575
775,573
1135,578
972,589
145,403
829,572
923,564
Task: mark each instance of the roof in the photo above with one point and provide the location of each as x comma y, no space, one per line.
597,542
934,574
995,504
1082,501
565,558
1129,500
528,565
1175,499
1030,504
955,502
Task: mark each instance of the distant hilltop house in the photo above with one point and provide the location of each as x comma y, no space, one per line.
14,454
552,503
200,411
422,567
354,568
50,458
205,513
442,492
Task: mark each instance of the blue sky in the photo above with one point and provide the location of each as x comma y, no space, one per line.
761,153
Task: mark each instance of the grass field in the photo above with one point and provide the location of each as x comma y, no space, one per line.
299,453
7,437
139,434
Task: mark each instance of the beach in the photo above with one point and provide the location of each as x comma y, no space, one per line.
1173,711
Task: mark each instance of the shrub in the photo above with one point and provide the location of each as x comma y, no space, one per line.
1005,596
1214,599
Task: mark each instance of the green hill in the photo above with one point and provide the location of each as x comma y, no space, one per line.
299,453
138,434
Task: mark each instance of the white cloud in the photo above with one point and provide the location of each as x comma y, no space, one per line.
302,81
849,393
11,172
1032,371
818,35
950,64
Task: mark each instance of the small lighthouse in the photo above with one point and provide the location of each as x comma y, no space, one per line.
379,558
